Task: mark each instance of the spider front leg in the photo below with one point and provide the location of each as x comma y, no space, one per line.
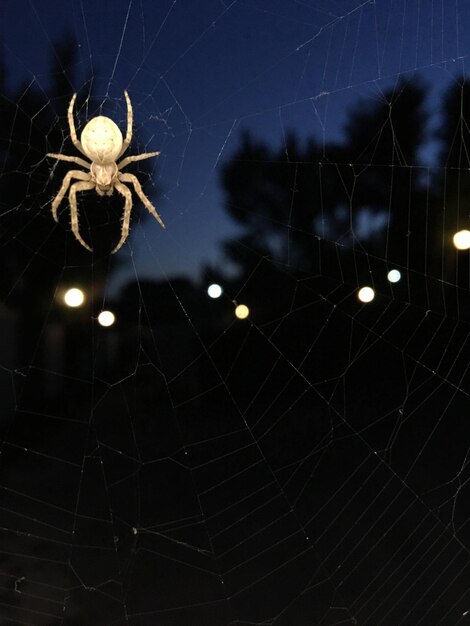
73,132
74,189
65,185
128,139
130,178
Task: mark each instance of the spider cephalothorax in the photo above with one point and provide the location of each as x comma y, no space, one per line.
101,141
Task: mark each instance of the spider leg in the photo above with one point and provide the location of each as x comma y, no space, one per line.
130,178
137,157
71,159
73,132
76,187
126,192
65,185
128,139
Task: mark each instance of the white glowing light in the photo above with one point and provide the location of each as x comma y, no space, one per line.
214,291
74,297
394,276
366,294
242,311
462,240
106,318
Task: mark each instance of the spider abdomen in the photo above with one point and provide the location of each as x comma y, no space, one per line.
101,140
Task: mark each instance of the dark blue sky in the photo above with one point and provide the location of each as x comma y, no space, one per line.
200,72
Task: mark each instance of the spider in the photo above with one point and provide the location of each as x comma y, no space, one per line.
101,141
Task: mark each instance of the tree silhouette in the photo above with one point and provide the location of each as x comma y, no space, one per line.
285,198
452,184
269,191
383,144
34,250
40,257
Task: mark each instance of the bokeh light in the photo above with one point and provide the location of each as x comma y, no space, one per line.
366,294
106,318
462,240
214,291
394,276
242,311
74,297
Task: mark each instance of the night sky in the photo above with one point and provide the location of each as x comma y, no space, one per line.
200,73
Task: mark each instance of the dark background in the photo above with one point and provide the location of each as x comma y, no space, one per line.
306,465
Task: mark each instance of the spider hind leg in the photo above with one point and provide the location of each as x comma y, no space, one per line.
130,178
76,187
126,217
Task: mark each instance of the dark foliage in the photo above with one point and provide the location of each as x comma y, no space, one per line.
286,199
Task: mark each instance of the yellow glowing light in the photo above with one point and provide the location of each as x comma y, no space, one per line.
106,318
242,311
366,294
74,297
462,240
394,276
214,291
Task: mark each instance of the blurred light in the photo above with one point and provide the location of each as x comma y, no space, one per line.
74,297
106,318
242,311
462,240
214,291
394,276
366,294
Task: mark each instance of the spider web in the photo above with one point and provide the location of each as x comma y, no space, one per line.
307,464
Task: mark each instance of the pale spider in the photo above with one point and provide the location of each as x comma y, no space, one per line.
102,142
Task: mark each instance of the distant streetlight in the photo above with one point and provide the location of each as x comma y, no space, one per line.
74,297
242,311
366,294
214,291
462,240
394,276
106,318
